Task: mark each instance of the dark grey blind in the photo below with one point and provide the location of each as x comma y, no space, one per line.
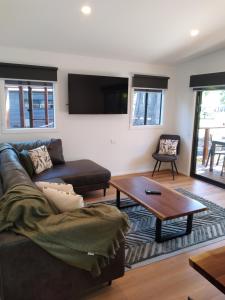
208,80
18,71
30,83
146,81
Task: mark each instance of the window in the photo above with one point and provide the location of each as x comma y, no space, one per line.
147,107
29,104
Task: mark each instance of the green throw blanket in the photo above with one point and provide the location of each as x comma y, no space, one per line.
85,238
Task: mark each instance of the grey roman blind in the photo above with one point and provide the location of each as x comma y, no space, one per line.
18,71
147,81
207,80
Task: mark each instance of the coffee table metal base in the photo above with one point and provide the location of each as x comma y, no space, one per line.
118,204
162,238
159,238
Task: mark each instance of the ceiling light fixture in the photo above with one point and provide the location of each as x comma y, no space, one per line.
194,32
86,10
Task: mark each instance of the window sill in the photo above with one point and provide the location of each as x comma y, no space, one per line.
28,130
141,127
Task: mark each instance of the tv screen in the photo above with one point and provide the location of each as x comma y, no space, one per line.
91,94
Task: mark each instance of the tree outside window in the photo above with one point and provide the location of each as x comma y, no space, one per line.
147,107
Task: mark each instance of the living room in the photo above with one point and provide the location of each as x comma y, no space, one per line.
79,44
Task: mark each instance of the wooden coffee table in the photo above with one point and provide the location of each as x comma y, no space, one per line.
169,205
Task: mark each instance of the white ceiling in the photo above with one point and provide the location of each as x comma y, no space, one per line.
152,31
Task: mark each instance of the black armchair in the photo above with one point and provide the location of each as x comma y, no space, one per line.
167,157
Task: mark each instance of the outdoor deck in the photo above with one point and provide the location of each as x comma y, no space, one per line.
214,175
211,141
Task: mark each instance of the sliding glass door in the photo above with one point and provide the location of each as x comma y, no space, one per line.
208,153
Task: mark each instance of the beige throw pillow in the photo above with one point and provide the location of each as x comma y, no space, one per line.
40,159
56,186
168,147
63,201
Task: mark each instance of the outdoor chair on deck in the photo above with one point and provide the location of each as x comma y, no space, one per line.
219,150
223,167
167,151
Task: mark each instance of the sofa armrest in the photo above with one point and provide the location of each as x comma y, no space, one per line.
29,272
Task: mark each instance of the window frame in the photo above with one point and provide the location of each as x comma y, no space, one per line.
3,95
147,126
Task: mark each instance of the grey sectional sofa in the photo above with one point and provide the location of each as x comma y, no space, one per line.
27,272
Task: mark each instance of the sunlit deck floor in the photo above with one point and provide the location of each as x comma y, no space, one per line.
215,174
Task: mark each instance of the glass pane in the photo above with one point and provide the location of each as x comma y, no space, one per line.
154,108
20,110
12,106
26,108
50,109
138,108
210,152
146,113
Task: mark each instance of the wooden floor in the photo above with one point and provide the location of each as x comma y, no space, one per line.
172,278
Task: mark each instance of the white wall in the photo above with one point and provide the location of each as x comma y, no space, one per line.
89,136
185,100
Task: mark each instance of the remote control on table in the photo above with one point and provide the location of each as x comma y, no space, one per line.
151,192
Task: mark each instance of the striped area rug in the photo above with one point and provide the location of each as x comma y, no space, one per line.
141,248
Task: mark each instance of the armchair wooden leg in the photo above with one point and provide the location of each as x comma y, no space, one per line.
175,167
155,168
172,169
104,192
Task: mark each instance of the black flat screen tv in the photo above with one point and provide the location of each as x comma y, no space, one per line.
91,94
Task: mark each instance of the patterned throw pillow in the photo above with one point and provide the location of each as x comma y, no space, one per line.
168,147
40,159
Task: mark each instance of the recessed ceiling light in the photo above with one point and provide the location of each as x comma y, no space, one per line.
86,10
194,32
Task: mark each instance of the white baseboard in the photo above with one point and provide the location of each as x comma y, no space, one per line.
134,172
142,171
131,172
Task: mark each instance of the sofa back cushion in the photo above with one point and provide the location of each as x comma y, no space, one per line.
26,162
11,171
1,189
54,147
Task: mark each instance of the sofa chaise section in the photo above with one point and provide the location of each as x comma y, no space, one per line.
85,175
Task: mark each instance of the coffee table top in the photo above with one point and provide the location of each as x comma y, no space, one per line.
169,205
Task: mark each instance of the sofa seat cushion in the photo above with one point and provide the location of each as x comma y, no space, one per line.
164,157
79,173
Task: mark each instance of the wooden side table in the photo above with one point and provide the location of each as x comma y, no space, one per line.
211,265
